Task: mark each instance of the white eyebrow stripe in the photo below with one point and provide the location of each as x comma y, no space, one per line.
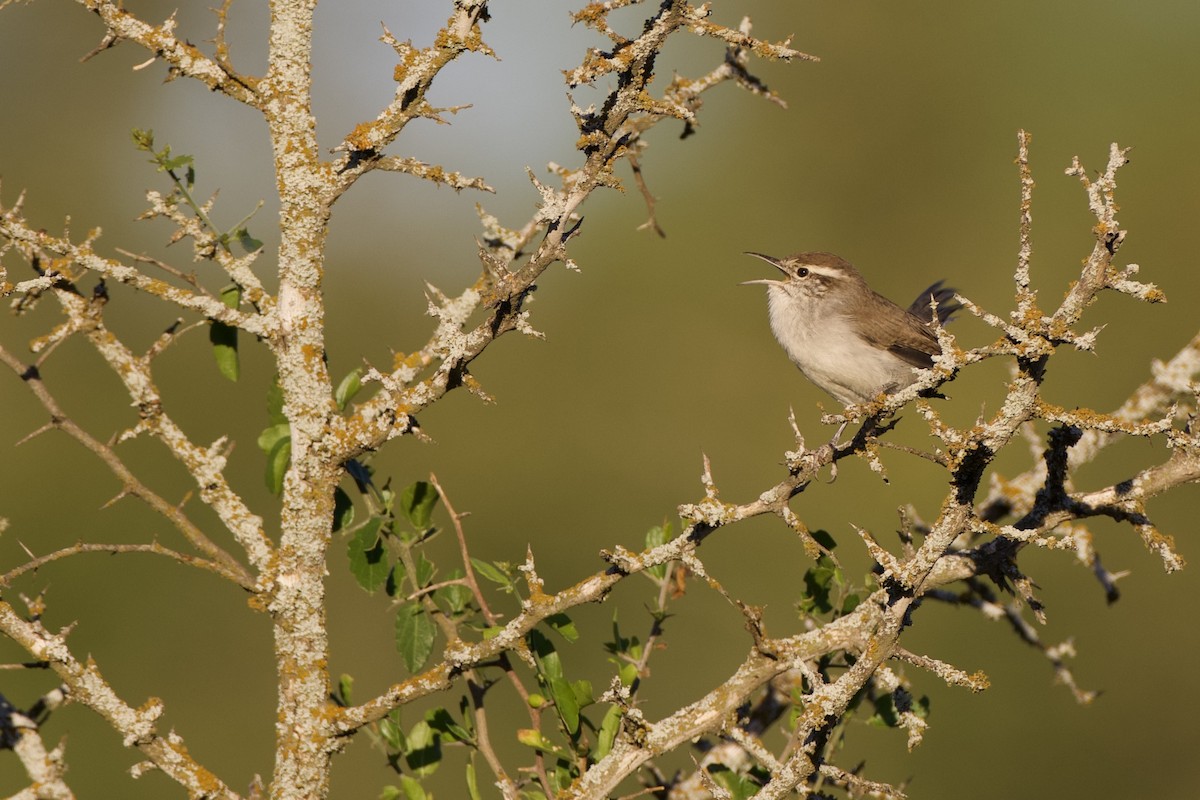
827,272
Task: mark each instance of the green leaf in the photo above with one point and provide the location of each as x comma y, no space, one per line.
583,692
464,710
424,753
628,673
563,625
420,737
739,787
564,775
609,727
535,739
491,572
850,603
626,651
391,793
455,596
472,786
395,581
224,338
824,539
143,139
390,730
412,789
548,661
443,722
417,502
414,636
348,388
176,162
343,691
555,681
387,497
819,582
368,556
271,436
275,403
425,571
271,441
343,510
566,702
886,714
248,242
277,464
361,474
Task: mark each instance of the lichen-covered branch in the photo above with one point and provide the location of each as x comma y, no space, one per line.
850,652
940,560
59,255
182,57
607,135
137,726
432,173
414,75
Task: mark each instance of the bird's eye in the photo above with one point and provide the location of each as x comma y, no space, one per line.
802,272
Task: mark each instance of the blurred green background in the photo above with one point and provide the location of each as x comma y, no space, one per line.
896,151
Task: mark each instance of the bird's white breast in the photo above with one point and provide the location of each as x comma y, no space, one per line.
831,353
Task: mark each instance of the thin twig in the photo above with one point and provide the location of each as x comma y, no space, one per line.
468,569
83,547
640,180
228,565
187,277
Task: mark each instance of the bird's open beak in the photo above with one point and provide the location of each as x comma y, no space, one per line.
774,262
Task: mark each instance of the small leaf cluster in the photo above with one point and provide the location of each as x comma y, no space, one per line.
417,753
827,593
276,440
182,171
577,741
569,728
186,184
385,552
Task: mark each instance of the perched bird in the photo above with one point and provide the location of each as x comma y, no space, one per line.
847,339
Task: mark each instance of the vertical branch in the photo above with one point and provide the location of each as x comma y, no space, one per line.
304,736
1026,297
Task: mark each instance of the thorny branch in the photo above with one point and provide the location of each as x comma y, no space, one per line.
964,544
608,134
286,577
137,726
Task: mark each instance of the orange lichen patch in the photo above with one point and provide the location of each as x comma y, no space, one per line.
977,681
411,361
536,594
312,354
362,137
1161,543
592,14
